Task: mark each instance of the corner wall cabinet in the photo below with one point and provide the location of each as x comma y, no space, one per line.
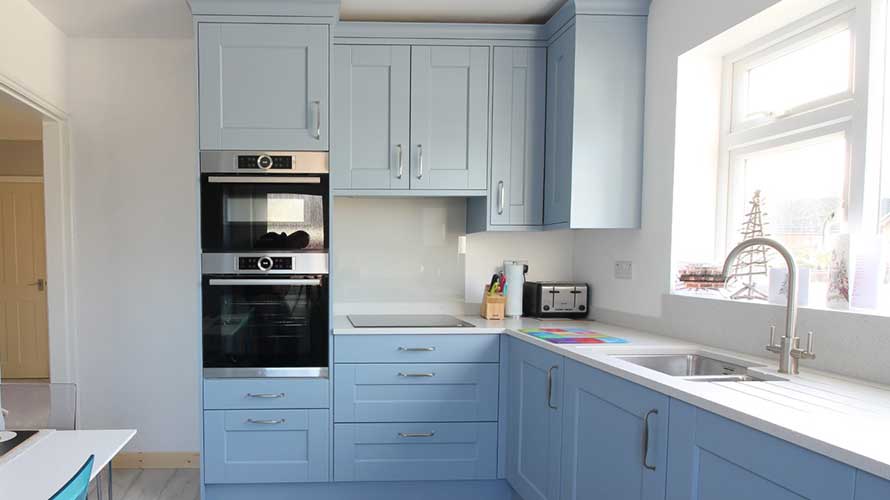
263,86
410,118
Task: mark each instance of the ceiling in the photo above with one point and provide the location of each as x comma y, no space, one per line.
171,18
19,122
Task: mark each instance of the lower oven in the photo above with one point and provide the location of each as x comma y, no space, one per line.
265,316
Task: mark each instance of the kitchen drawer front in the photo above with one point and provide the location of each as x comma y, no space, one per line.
416,451
416,393
258,393
416,348
266,446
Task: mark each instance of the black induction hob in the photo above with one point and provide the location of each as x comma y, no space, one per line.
407,321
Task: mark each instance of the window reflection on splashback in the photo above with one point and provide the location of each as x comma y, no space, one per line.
397,251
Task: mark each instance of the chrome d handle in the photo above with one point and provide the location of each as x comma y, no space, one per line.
278,395
419,161
550,388
401,163
417,349
501,197
317,119
646,439
417,434
275,421
416,375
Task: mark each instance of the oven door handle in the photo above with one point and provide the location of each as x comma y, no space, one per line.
216,179
260,282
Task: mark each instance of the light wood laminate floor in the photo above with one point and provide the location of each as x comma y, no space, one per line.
151,484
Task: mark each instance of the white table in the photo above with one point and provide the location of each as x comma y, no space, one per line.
37,470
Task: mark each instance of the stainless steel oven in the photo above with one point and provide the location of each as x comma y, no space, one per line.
265,315
255,201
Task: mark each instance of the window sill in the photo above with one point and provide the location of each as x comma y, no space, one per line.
714,295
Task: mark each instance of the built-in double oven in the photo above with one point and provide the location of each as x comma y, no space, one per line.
265,279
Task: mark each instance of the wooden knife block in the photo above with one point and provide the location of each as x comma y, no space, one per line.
493,306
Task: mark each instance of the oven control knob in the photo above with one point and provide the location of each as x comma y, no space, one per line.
264,162
265,263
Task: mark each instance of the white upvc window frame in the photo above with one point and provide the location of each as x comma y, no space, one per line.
843,112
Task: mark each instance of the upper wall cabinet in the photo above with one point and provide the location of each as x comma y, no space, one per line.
371,117
595,92
263,86
449,117
516,188
410,118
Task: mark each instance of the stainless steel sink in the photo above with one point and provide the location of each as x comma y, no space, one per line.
696,367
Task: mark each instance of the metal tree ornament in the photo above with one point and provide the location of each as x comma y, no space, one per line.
752,262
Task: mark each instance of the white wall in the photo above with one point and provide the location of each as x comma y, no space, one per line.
401,255
847,343
33,52
132,106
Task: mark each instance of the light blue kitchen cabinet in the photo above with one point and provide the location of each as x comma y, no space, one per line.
560,114
713,458
266,393
263,86
416,348
266,446
869,487
595,98
516,188
534,419
415,451
427,392
370,110
449,117
605,420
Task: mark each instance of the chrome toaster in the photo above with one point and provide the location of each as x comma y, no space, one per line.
555,299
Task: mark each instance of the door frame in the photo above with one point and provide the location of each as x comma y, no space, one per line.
59,222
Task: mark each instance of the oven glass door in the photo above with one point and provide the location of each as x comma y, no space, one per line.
256,213
253,323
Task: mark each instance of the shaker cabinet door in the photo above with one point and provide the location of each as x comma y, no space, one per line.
517,140
560,129
449,117
263,86
370,117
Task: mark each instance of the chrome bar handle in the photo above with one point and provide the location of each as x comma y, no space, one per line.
417,349
317,119
417,434
646,439
550,387
419,161
417,375
217,179
501,197
275,421
278,395
401,163
264,282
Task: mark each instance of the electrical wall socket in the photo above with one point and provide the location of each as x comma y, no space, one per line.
624,270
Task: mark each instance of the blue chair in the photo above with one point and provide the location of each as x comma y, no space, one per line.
79,485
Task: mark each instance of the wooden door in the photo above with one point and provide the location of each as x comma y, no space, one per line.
534,421
605,420
263,86
371,88
24,343
449,118
517,168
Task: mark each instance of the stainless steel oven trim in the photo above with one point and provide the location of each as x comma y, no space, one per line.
242,179
304,372
304,162
264,282
227,263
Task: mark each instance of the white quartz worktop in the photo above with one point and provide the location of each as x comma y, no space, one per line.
845,419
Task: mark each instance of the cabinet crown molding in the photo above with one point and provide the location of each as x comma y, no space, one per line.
290,8
611,7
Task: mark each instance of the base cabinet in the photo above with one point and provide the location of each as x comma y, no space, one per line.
712,458
534,421
869,487
605,420
266,446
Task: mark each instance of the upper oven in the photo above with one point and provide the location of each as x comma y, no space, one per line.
264,201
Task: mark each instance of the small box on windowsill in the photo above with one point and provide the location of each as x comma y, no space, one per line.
493,305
